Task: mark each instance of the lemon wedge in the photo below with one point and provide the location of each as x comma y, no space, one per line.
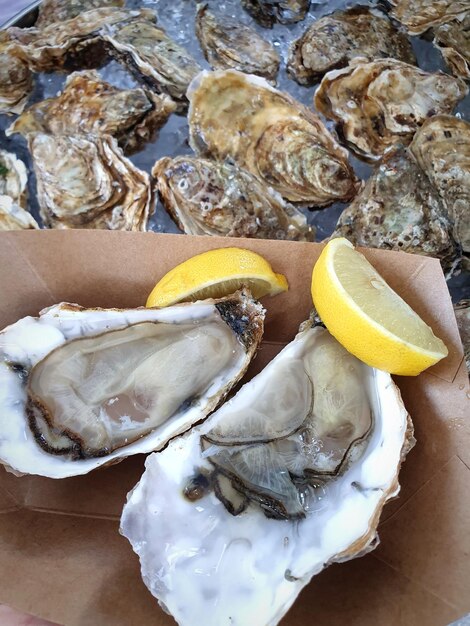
215,274
367,317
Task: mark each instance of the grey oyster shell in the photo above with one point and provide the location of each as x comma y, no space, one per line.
453,40
90,105
399,209
228,44
84,181
377,104
54,11
268,12
14,217
13,178
332,41
271,135
16,81
462,315
419,15
217,198
442,148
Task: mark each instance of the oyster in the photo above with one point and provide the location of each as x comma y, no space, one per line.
148,51
228,44
399,209
271,135
315,440
453,40
82,387
462,315
332,41
54,11
14,217
378,104
442,149
268,12
419,15
13,178
16,82
90,105
216,198
86,182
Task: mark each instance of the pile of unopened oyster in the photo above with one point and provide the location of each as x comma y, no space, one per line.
264,160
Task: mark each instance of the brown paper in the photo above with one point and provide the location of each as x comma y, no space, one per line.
61,556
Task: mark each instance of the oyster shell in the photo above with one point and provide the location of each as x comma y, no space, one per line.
332,41
442,148
271,135
81,388
384,102
316,439
16,82
268,12
13,178
462,315
419,15
399,209
228,44
54,11
14,217
453,40
148,52
86,182
217,198
90,105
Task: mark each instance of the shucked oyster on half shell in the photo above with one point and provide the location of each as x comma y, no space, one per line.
333,40
84,181
218,198
384,102
90,105
442,148
271,135
54,11
400,209
268,12
420,15
81,388
228,44
286,478
453,40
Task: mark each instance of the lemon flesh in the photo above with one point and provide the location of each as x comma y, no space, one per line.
215,274
367,317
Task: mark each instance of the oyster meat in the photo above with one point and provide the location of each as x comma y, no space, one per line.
218,198
268,12
462,315
228,44
14,217
54,11
419,15
332,41
384,102
453,40
153,56
271,135
86,182
90,105
16,82
399,209
13,178
286,478
80,388
442,149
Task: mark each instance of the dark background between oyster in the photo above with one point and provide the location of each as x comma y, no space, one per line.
177,17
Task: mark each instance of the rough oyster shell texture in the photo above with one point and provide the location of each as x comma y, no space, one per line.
268,12
420,15
218,198
84,181
228,44
271,135
90,105
16,82
14,217
13,178
380,103
453,40
334,40
81,388
54,11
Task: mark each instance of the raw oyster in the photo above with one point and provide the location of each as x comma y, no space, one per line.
148,51
462,315
86,182
14,217
442,149
228,44
399,209
317,440
271,135
217,198
90,105
420,15
453,40
82,387
13,178
16,82
332,41
54,11
381,103
268,12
